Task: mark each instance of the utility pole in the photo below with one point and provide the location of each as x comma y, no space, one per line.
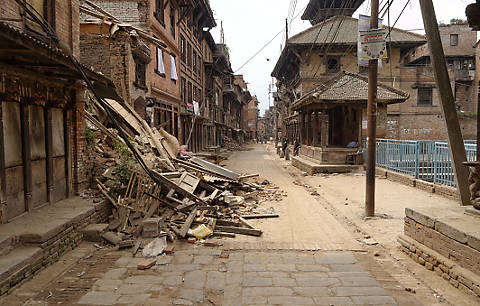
455,139
372,122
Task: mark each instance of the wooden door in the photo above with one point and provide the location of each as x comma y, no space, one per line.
38,155
14,166
58,154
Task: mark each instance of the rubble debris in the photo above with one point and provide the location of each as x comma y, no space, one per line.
178,195
155,248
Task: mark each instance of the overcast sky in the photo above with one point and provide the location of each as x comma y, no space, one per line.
250,24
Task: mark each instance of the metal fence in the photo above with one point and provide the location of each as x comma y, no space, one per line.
426,160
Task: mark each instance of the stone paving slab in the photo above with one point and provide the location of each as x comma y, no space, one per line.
244,278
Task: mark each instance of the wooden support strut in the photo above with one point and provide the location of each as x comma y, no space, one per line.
455,138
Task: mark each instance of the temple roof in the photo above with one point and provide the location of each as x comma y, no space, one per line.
344,30
347,87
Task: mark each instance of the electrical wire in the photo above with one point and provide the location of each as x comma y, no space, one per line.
268,43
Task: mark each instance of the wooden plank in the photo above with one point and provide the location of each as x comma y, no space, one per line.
188,223
239,230
260,216
137,246
188,181
223,234
169,184
245,222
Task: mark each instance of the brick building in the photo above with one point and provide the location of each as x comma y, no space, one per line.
195,16
315,55
144,68
176,77
42,127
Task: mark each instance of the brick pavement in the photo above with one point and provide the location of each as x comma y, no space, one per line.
199,276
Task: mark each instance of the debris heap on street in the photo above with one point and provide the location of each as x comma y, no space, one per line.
179,196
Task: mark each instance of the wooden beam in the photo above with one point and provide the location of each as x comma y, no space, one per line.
27,160
239,230
188,223
261,216
455,138
49,151
3,176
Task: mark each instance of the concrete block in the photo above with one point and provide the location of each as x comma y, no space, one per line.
151,227
93,232
420,217
473,240
447,228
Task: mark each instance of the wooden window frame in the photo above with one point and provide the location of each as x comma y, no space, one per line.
140,82
172,20
48,14
421,100
183,89
183,49
454,39
160,11
332,70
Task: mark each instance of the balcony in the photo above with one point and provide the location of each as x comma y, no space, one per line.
464,75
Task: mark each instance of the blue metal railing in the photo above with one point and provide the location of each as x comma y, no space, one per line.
426,160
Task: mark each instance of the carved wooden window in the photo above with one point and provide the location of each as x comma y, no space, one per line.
140,73
160,11
333,64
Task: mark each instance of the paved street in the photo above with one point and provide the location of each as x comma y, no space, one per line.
305,257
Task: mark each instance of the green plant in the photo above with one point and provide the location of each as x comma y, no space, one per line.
89,137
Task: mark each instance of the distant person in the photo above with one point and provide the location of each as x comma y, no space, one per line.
352,144
284,144
296,146
261,139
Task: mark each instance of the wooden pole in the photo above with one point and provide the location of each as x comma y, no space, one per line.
372,122
455,139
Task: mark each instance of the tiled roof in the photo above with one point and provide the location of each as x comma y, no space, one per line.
347,34
348,87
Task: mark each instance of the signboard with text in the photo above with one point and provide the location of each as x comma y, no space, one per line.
373,44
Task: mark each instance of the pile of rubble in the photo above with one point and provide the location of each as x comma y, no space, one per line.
232,145
178,196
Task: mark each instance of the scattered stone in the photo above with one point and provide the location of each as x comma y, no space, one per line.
146,264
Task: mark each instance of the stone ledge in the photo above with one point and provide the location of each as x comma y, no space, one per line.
457,276
442,190
312,167
52,240
455,224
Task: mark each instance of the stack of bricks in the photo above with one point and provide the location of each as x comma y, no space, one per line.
441,247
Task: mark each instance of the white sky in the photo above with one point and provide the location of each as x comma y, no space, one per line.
249,24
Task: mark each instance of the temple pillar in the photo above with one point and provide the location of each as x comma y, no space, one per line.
301,121
315,128
324,129
360,139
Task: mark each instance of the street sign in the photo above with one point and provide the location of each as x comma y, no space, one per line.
373,44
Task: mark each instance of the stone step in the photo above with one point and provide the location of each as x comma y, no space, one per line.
6,244
18,259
